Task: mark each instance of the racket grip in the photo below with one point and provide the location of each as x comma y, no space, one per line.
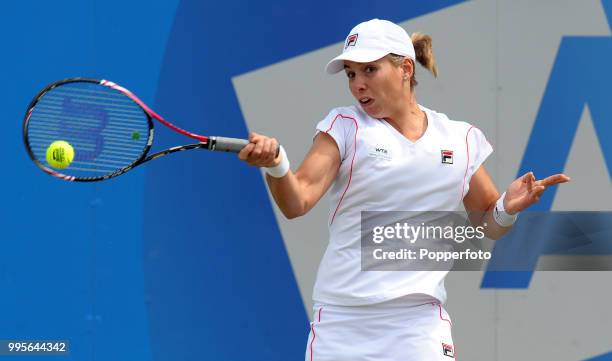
234,145
223,144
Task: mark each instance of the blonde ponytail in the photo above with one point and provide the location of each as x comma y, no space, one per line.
424,52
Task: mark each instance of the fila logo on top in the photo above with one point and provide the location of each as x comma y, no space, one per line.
351,40
447,156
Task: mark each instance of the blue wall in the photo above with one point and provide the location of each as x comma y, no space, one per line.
181,259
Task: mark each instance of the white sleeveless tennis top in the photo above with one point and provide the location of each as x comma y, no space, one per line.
381,170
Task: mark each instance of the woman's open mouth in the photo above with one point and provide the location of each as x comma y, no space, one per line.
366,101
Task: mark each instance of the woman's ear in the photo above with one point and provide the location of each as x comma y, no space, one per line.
408,68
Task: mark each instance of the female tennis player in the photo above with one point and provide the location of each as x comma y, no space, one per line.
388,153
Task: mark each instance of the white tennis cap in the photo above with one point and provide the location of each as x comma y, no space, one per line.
370,41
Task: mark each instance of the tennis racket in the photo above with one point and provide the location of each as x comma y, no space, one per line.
103,128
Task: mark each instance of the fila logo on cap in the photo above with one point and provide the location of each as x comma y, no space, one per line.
447,156
351,40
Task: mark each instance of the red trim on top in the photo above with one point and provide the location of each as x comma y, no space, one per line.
467,164
442,318
352,160
332,124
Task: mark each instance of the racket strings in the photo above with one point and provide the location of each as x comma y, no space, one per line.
107,131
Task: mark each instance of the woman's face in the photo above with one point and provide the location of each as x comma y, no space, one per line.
378,86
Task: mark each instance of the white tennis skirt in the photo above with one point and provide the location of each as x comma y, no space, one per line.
390,331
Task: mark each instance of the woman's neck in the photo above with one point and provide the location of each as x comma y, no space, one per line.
409,120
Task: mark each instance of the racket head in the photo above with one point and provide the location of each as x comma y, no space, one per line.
109,132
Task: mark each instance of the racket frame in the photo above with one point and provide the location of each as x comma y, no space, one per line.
204,142
143,155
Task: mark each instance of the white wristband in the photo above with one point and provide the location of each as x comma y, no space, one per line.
499,213
282,168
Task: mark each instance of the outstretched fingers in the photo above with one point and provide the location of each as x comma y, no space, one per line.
553,179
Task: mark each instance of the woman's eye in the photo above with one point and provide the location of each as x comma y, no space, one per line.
370,69
350,74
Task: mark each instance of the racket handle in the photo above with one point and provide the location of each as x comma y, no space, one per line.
234,145
223,144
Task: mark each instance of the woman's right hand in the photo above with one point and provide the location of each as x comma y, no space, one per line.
295,193
261,151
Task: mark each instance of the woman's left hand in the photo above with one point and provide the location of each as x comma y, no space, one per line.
526,190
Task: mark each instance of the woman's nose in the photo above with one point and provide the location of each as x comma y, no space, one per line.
359,84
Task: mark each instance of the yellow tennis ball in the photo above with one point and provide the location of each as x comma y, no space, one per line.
60,154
